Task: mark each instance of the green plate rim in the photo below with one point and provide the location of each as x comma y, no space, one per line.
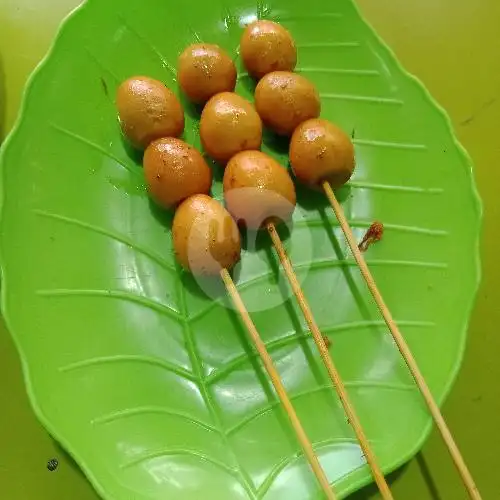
478,205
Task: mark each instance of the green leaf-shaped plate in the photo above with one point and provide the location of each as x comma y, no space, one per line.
152,386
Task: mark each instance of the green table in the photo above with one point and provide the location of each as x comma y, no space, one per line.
453,47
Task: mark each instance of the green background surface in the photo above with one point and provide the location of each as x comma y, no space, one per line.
454,50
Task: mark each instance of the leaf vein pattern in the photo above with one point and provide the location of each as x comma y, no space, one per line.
325,264
150,410
129,358
243,476
297,455
167,452
113,294
294,338
164,63
321,388
110,234
130,168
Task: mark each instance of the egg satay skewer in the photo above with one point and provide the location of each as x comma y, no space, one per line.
229,124
322,157
278,386
204,70
147,110
267,46
207,242
260,192
175,170
284,100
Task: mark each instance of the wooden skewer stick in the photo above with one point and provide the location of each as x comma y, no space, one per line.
332,370
403,346
278,384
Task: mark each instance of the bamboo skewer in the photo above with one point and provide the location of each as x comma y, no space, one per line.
278,385
332,370
403,346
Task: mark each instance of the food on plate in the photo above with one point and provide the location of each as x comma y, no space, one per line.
206,237
174,170
374,234
205,70
148,110
266,46
229,124
284,100
321,151
257,189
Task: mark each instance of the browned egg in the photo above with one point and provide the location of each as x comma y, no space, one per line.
229,124
266,46
205,70
257,189
206,238
321,151
174,170
284,100
148,110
